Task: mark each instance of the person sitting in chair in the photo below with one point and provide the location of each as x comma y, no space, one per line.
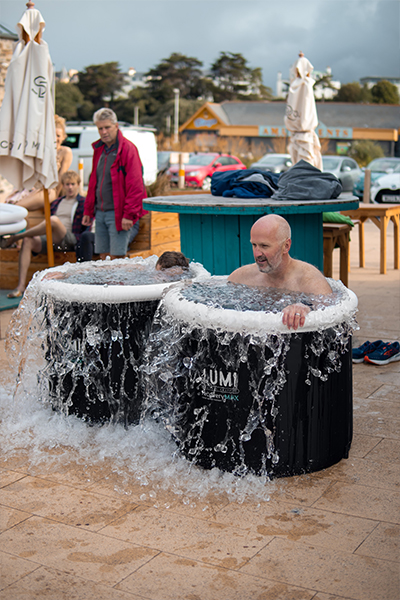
34,199
66,227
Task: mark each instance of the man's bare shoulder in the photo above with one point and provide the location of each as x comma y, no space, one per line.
245,275
310,280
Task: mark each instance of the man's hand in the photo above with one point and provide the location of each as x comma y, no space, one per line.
126,224
86,220
294,315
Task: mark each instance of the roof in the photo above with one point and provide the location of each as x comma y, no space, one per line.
330,114
7,34
219,112
377,79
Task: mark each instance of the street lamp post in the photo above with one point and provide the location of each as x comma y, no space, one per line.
181,170
176,116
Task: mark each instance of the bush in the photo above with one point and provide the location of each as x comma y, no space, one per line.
160,187
364,151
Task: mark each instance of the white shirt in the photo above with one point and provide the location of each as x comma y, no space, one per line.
66,211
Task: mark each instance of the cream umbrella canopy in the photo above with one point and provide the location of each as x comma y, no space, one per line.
27,129
301,115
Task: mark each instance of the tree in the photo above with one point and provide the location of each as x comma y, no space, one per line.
176,72
68,99
324,82
232,79
353,92
385,92
100,84
186,109
140,98
364,151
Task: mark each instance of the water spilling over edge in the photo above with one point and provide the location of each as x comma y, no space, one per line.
144,453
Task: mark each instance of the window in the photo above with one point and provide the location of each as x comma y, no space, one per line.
222,160
72,140
349,163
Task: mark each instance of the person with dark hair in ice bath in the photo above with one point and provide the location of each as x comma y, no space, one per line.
173,262
270,237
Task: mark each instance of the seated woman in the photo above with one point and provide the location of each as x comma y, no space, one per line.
66,228
34,199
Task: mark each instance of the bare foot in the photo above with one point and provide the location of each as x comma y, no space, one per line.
15,294
6,241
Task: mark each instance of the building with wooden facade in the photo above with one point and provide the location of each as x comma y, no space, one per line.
261,125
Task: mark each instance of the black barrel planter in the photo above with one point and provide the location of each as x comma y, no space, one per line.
246,395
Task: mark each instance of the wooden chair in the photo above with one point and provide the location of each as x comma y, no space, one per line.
337,234
158,232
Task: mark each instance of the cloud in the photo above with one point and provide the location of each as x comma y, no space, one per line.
356,38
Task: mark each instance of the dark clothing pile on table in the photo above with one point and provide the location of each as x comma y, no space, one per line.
249,183
300,182
305,182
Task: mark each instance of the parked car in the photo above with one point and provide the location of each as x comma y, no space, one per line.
386,189
201,166
163,160
378,167
276,163
166,158
81,135
346,170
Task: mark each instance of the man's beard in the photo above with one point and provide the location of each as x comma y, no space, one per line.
267,266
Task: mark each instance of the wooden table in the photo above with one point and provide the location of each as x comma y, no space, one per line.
215,231
380,214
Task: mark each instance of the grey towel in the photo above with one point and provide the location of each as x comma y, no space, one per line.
305,182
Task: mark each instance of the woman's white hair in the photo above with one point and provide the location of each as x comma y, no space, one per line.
103,114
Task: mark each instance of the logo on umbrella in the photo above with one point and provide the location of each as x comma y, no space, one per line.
41,83
291,113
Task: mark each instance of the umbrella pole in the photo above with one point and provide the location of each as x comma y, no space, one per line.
49,233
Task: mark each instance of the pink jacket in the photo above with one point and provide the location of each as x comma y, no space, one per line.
127,182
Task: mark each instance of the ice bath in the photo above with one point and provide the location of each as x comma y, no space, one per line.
145,454
240,392
93,323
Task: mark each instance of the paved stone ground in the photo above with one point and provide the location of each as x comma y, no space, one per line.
327,536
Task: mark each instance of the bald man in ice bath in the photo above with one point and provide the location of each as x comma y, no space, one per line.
270,238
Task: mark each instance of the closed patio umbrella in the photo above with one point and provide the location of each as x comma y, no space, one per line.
301,115
27,129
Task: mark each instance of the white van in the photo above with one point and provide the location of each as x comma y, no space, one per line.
81,135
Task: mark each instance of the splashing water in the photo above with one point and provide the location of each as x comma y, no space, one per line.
221,381
143,453
89,344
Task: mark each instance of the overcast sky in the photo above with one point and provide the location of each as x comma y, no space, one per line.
356,38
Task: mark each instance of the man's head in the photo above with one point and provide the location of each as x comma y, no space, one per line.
270,238
106,122
70,181
172,259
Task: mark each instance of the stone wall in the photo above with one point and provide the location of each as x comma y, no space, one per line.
6,51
